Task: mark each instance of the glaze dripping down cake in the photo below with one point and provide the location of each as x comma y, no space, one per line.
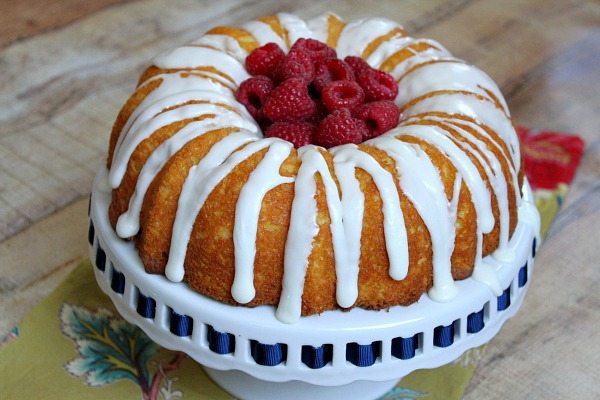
247,219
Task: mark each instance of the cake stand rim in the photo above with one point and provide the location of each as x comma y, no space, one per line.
340,371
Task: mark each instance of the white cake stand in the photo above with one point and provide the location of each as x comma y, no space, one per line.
358,354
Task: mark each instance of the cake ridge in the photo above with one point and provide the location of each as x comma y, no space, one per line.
304,228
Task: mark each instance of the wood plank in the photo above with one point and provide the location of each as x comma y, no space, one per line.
512,40
22,19
11,219
562,93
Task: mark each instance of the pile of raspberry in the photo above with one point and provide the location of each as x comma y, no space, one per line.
311,96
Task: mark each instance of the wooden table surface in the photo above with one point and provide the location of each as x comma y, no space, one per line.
67,66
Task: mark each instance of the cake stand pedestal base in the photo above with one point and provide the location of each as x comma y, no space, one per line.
243,386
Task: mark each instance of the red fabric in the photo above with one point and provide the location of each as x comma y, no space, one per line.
550,157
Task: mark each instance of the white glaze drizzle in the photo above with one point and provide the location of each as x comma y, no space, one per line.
171,86
479,193
356,35
420,181
194,57
477,127
493,171
264,178
497,179
152,119
386,49
475,182
303,229
469,105
264,34
528,213
452,149
486,274
129,222
437,51
225,43
458,181
352,210
422,185
295,27
346,159
319,26
199,183
495,175
446,76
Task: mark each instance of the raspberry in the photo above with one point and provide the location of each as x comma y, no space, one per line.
378,116
253,94
316,50
264,60
357,64
331,70
321,112
290,101
314,93
309,95
297,133
377,85
342,94
339,128
297,64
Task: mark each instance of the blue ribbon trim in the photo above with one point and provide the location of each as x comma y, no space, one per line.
180,324
117,283
504,300
100,258
443,336
220,342
363,355
313,357
404,348
317,357
523,276
268,354
475,321
91,233
146,306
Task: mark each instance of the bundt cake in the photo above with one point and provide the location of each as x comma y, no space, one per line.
253,220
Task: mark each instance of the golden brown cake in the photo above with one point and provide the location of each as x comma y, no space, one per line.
252,220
